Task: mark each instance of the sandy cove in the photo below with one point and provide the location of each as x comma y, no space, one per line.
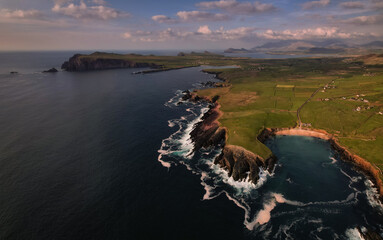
346,155
303,132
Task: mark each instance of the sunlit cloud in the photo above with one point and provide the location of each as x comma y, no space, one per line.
202,33
240,8
83,11
315,4
191,16
353,5
309,33
364,20
21,14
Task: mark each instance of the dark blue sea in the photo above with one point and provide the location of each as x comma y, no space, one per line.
107,155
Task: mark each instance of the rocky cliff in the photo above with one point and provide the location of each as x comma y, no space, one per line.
81,62
240,163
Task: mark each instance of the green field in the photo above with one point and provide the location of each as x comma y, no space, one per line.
270,97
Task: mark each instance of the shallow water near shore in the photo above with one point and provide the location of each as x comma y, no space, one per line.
107,155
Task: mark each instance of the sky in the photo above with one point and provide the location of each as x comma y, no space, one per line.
181,24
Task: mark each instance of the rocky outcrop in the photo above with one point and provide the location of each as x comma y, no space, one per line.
240,163
208,132
88,62
52,70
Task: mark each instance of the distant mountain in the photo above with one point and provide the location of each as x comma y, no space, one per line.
329,46
293,45
238,50
374,44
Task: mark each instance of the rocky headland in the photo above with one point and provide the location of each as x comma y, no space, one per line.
240,163
80,62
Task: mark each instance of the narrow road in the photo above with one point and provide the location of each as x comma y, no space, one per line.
299,124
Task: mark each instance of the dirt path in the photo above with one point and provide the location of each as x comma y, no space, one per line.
299,124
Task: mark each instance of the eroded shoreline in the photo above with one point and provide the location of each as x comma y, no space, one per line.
360,163
242,163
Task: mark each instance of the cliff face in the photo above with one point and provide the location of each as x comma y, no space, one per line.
78,63
239,162
360,163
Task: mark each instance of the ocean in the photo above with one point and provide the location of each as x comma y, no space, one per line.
106,155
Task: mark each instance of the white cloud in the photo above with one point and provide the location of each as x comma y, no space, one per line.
20,14
82,11
164,19
191,16
99,2
204,29
203,33
201,16
364,20
314,4
352,5
233,6
248,34
309,33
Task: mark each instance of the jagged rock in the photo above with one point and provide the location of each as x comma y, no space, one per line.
240,163
52,70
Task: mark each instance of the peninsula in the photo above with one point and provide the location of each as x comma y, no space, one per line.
337,99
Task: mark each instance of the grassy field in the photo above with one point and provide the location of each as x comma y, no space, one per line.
267,93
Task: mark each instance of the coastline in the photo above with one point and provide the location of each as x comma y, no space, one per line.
346,155
227,150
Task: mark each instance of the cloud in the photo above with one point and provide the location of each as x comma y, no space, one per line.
191,16
364,20
203,33
314,4
21,14
352,5
99,2
82,11
164,19
309,33
204,30
377,5
241,8
201,16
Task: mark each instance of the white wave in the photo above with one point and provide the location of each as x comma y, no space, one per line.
249,224
353,234
333,160
171,123
373,195
187,144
